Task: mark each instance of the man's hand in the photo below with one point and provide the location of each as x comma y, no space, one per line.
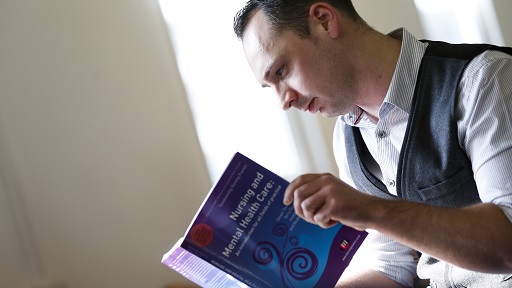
323,199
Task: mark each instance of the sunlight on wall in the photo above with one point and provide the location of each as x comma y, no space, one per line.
460,21
231,110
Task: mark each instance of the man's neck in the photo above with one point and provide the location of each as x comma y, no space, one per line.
379,55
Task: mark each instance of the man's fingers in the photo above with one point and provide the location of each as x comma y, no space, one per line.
323,217
304,200
317,211
309,194
289,194
311,206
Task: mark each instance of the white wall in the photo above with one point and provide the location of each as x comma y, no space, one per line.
96,141
386,16
503,11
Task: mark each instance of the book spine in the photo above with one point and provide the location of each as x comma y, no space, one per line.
198,270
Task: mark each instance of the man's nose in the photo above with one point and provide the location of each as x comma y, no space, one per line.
286,97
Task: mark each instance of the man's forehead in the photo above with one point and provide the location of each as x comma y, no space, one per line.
258,44
258,32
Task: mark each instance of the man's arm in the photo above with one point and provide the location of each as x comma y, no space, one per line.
366,279
477,238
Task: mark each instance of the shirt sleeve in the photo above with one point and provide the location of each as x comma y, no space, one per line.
378,252
484,113
384,255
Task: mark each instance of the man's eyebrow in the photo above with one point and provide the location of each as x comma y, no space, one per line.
266,76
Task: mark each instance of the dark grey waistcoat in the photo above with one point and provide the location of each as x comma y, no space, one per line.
432,168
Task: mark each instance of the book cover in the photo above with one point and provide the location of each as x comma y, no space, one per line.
244,236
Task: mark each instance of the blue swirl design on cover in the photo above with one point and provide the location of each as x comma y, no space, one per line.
296,263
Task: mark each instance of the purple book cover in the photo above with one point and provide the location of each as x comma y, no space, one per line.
244,229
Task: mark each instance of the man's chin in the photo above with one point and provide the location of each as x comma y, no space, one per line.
328,114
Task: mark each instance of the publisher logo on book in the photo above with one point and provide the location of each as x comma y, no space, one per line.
201,235
345,244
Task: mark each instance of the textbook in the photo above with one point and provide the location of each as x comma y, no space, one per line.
244,236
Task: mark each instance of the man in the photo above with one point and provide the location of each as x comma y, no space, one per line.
422,140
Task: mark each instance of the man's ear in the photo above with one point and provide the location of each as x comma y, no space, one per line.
324,17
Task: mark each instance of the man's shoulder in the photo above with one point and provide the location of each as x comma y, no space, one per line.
463,50
490,62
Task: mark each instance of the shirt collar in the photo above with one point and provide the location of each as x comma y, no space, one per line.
401,88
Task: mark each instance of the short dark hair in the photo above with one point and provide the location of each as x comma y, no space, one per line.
289,14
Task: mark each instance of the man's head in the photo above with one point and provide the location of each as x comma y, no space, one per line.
289,15
305,51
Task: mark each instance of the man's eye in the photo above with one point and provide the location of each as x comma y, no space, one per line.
280,71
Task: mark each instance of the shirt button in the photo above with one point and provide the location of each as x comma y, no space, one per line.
392,183
381,134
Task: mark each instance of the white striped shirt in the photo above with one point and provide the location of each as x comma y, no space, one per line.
484,122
